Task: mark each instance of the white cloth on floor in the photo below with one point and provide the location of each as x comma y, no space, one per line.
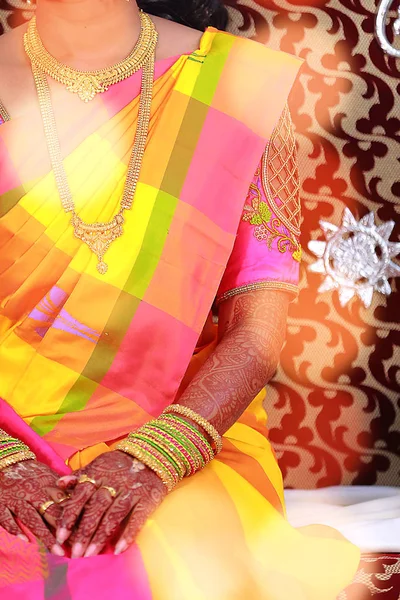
368,516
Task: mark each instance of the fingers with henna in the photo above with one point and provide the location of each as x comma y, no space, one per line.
72,509
141,512
68,481
29,517
8,523
53,513
93,512
112,520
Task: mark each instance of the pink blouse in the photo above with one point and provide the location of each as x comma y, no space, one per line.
267,251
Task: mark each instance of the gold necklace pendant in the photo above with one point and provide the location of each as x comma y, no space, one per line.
98,236
87,84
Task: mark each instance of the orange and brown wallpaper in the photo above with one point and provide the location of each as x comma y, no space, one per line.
334,405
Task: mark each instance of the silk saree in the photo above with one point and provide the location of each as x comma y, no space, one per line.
85,358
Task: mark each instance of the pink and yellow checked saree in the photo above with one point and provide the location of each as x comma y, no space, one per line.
85,358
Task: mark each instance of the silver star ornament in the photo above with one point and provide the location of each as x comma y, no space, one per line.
356,258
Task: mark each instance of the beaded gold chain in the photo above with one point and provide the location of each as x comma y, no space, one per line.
97,236
87,84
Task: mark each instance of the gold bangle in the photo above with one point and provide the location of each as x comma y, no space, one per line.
5,435
147,459
16,458
194,416
161,441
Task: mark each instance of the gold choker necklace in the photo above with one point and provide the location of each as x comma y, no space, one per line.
97,236
87,84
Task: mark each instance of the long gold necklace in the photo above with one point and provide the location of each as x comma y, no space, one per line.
97,236
87,84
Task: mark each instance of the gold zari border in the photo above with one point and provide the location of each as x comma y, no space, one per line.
260,285
3,113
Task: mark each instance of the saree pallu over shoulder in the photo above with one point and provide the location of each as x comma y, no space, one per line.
80,344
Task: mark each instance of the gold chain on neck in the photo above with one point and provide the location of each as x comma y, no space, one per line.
97,236
87,84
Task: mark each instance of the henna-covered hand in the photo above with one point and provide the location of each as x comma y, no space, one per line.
92,516
24,488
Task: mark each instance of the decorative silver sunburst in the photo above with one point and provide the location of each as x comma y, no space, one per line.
356,258
381,26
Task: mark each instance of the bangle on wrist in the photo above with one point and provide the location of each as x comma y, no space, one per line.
172,446
150,461
16,458
194,416
12,450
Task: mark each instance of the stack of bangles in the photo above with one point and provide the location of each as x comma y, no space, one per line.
12,450
172,446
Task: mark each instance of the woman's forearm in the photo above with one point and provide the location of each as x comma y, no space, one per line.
244,360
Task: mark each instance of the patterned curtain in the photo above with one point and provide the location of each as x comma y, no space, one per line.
334,408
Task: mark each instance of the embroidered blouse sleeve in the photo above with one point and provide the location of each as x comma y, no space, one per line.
4,116
267,251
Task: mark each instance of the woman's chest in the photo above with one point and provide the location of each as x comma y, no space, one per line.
176,238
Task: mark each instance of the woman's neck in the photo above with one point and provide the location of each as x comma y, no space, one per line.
88,34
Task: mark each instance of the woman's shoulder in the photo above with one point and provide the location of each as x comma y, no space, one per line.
246,49
6,59
11,46
253,80
175,39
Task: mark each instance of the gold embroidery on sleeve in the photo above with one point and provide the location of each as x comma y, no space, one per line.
280,174
278,218
292,289
3,113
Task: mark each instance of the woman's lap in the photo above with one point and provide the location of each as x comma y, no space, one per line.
219,535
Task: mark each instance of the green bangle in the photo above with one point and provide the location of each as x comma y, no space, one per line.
186,443
140,436
167,446
147,459
5,440
164,419
4,434
173,417
151,429
12,450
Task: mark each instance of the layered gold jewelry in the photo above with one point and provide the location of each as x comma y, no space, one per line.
87,84
172,446
194,416
16,458
151,461
98,236
12,450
